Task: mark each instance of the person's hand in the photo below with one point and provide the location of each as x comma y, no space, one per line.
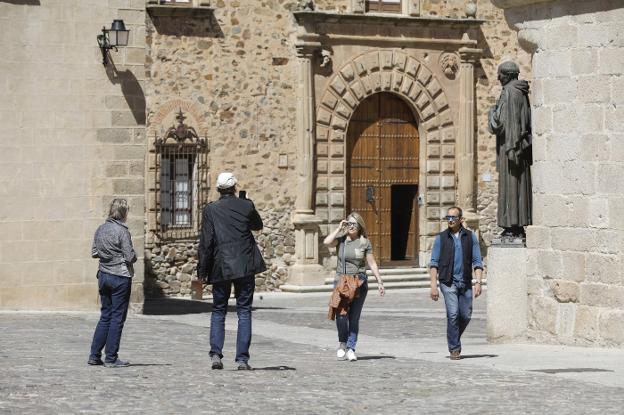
477,290
435,294
343,224
381,288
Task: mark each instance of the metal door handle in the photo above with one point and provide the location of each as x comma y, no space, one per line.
370,194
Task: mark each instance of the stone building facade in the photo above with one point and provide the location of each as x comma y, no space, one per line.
575,247
267,90
72,138
273,87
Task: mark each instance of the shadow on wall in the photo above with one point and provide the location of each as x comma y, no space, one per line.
23,2
131,90
207,26
151,289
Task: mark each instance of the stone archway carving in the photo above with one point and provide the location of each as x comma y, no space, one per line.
379,71
399,73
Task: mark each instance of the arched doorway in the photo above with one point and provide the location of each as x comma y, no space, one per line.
382,176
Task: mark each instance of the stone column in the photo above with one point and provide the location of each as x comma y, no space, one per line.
307,270
466,137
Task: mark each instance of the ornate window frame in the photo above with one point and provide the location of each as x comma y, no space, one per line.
180,177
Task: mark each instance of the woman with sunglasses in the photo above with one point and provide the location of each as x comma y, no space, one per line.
354,253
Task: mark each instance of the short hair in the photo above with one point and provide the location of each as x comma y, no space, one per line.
118,209
461,212
227,191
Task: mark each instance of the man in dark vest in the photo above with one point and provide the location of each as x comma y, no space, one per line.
454,255
228,255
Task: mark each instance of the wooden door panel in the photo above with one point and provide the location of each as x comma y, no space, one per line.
382,151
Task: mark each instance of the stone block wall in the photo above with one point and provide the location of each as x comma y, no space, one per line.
72,138
575,248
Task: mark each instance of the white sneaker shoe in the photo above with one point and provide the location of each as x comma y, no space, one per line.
342,351
351,357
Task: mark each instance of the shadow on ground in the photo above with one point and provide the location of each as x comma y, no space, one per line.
275,368
477,356
178,306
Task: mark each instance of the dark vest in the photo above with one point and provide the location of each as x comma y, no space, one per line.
447,256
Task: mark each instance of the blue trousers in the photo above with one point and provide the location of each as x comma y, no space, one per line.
349,324
458,314
243,291
115,297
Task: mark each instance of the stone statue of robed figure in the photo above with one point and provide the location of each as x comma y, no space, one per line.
510,120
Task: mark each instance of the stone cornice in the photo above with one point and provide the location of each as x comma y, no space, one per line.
507,4
315,17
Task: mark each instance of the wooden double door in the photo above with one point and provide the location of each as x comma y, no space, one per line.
382,176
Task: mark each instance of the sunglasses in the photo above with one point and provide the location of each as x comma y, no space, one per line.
451,218
352,225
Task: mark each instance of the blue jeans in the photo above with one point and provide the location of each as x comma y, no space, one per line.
115,297
458,313
243,291
349,324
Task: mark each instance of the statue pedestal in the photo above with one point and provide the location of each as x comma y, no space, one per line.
507,296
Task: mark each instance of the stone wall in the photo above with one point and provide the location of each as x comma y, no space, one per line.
239,69
575,284
170,267
72,138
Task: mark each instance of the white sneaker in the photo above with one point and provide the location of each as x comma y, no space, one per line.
340,353
351,357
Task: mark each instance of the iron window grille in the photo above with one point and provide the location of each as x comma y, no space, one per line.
181,177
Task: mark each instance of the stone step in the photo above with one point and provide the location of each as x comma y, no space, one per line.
400,271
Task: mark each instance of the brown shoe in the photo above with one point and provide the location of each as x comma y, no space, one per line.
455,355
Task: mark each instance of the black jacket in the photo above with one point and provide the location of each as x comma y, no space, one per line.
227,248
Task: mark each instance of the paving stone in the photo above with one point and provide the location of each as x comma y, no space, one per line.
43,365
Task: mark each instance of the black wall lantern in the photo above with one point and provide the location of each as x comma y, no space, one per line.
117,35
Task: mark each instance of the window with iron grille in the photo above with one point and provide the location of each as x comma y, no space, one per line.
181,181
389,6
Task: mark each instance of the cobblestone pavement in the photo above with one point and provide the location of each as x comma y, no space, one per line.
402,366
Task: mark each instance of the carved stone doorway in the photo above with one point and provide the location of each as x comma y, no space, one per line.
382,176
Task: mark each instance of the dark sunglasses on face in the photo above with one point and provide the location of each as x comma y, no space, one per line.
352,225
451,218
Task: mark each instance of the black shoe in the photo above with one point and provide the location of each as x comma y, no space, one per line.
117,363
244,366
216,363
95,362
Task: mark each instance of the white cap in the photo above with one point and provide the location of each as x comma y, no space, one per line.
225,180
